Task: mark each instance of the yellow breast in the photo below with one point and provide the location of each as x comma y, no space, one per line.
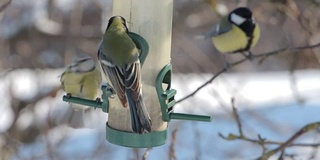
234,40
84,85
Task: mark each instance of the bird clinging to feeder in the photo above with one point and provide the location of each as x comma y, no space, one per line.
81,79
119,59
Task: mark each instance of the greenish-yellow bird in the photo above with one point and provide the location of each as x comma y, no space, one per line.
237,32
81,79
119,59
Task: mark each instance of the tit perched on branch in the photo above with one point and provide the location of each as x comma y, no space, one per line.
119,58
81,79
237,32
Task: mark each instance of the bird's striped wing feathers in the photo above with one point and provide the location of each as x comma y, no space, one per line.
133,79
116,77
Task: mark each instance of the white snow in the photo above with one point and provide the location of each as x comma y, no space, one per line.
267,104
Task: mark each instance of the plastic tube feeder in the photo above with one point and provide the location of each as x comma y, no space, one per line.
152,21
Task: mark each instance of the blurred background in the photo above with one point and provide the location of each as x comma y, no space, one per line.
38,38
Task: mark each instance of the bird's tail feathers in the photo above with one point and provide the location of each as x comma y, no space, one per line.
140,119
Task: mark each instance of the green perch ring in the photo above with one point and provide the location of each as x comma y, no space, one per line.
166,99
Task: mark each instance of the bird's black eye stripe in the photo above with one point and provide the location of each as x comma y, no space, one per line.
123,21
110,22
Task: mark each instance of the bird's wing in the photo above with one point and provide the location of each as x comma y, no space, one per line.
140,119
223,27
116,77
133,79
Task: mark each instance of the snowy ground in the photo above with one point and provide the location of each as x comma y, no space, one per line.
269,104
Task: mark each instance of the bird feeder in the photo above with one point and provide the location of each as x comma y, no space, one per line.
152,19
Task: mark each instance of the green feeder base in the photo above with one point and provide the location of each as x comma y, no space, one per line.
134,140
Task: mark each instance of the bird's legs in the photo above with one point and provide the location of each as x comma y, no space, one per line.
111,90
249,56
225,61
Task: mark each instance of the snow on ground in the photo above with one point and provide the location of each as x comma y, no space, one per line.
267,104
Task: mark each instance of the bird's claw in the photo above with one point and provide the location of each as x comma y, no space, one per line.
249,56
112,91
69,95
98,100
226,64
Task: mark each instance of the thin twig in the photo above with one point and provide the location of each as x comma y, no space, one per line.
4,5
262,56
199,88
136,153
263,141
305,129
146,154
282,155
236,116
172,152
197,141
267,142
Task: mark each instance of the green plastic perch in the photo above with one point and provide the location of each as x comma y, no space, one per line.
104,105
166,99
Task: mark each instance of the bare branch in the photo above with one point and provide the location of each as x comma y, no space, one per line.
4,5
236,116
305,129
199,88
146,154
263,141
172,152
262,57
267,142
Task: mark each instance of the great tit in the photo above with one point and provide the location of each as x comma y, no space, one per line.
237,32
81,79
119,59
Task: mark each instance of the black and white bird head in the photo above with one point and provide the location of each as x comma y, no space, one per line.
243,18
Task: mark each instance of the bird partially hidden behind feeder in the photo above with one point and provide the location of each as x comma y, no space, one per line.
237,32
119,59
81,79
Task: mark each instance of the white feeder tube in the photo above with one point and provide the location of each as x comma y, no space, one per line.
152,19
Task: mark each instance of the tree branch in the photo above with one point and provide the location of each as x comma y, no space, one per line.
172,152
236,117
4,5
262,57
146,154
263,142
303,130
